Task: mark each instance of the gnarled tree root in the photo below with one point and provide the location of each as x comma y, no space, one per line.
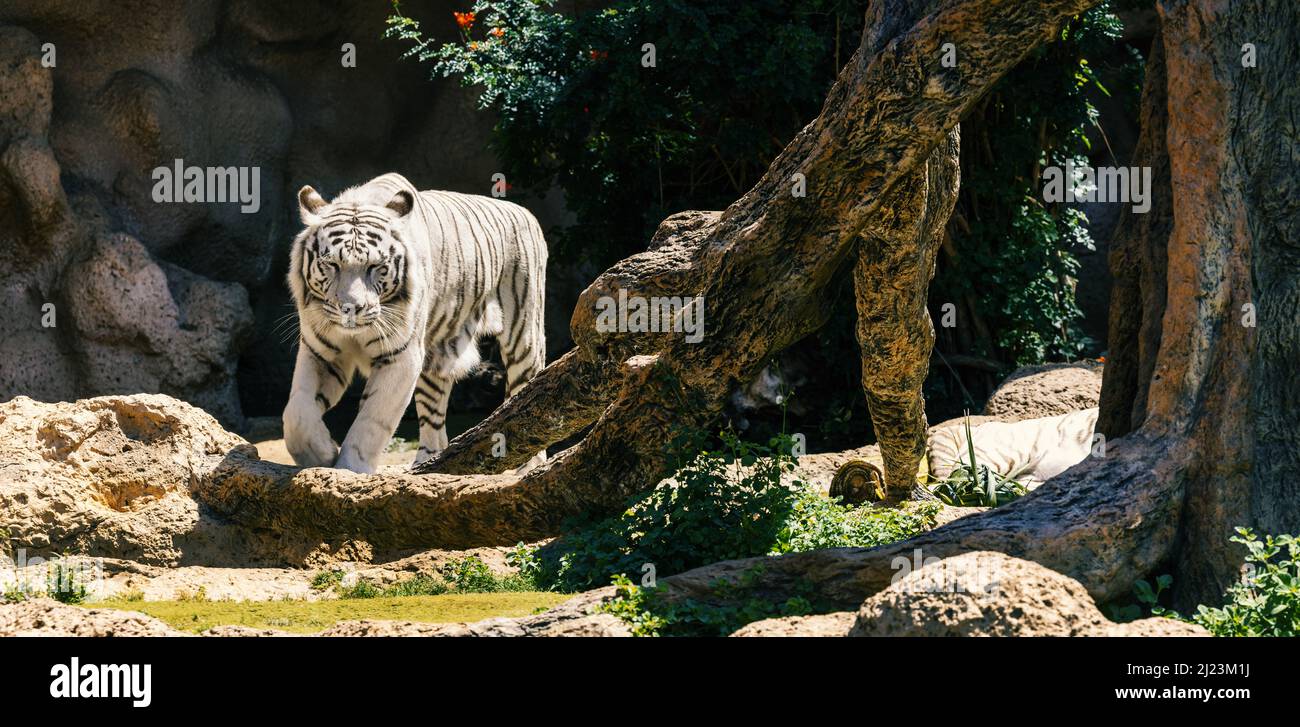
1105,523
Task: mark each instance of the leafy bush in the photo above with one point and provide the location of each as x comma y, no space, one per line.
1266,602
737,501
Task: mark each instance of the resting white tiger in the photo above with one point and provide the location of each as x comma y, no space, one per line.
398,285
1030,451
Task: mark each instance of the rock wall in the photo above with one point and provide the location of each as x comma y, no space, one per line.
178,298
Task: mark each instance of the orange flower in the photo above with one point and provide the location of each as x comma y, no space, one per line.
464,20
496,32
1101,359
473,46
599,55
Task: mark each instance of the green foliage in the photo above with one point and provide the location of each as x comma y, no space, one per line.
461,575
734,80
63,583
815,522
1146,601
18,592
327,579
736,501
1017,263
635,606
1266,602
361,589
975,485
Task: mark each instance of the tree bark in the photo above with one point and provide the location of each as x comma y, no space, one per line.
1137,265
891,281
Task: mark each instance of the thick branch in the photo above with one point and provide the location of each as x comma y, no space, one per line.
891,279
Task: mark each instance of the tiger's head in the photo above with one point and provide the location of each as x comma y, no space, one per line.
349,264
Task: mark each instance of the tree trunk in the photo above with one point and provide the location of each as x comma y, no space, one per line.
891,281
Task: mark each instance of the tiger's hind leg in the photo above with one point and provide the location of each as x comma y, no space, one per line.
446,363
523,351
432,392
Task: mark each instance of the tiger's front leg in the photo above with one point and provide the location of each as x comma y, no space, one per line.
388,391
318,383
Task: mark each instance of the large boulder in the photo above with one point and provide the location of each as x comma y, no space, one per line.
830,624
88,311
47,617
110,477
155,481
1033,392
992,594
145,326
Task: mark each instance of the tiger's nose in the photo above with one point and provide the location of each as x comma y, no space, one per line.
348,309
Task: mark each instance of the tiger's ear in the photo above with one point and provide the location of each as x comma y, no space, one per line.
401,203
309,203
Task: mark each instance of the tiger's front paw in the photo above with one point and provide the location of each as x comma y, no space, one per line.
307,439
425,454
350,459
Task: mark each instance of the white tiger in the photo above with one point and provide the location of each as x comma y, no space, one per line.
398,285
1030,451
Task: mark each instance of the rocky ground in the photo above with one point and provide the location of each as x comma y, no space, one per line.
122,483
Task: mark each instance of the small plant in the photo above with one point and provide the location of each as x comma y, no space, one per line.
524,558
1266,602
1147,601
199,594
633,605
18,592
63,584
132,595
972,484
327,579
420,585
361,589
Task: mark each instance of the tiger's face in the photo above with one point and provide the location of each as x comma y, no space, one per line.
352,259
